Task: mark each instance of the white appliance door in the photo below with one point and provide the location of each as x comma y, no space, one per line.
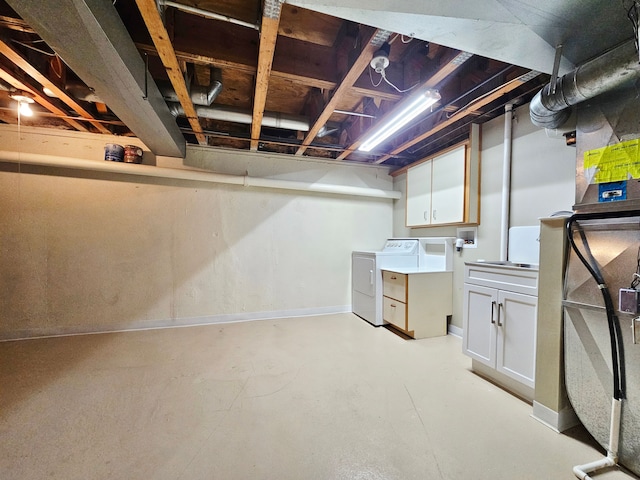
364,269
363,292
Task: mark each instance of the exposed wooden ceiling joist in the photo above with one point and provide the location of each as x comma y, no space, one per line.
268,37
309,81
42,79
161,40
39,98
357,67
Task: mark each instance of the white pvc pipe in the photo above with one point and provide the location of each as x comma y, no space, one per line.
506,182
229,114
175,173
582,471
208,14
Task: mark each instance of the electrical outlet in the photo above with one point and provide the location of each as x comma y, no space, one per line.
628,300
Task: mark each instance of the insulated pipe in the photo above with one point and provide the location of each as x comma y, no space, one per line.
174,173
229,114
506,181
549,109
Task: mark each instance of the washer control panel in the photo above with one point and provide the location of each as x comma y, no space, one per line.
401,246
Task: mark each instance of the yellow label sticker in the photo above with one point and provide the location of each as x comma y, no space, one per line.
614,163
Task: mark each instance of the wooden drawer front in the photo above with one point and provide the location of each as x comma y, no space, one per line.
394,285
395,312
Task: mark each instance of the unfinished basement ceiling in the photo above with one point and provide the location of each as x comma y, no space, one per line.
292,78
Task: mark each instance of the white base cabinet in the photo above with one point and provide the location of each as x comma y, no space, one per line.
499,321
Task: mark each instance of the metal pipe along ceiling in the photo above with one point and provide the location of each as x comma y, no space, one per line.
550,108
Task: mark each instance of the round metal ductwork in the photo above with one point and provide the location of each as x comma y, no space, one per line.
551,109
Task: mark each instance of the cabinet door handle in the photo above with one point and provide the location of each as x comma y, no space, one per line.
370,277
434,214
500,307
493,307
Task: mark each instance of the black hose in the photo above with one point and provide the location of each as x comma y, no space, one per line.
588,260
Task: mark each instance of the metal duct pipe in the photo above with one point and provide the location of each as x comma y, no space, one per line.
229,114
200,95
82,92
550,108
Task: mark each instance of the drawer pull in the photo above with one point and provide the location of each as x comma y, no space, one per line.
393,305
393,277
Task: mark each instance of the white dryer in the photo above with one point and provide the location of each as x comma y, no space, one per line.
367,279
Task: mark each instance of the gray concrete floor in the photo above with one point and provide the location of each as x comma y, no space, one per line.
326,397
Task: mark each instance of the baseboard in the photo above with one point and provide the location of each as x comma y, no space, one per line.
171,323
518,389
557,421
455,331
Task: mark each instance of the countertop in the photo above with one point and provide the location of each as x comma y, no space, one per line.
509,265
412,270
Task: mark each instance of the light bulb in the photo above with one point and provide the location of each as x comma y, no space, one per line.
25,109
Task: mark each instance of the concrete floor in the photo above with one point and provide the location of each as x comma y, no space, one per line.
326,397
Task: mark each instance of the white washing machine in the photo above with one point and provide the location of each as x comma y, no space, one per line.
424,254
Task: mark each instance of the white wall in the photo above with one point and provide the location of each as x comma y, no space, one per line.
85,251
542,182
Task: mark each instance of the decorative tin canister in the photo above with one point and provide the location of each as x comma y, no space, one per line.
132,154
113,152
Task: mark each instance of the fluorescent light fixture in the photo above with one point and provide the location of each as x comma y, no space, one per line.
415,106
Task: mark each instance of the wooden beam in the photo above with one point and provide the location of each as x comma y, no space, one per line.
39,98
34,73
449,68
268,37
354,72
470,109
15,24
379,94
160,37
199,59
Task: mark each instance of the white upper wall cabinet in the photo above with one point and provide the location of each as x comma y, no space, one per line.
419,194
443,190
448,187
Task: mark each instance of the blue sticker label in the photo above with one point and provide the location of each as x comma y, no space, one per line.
612,191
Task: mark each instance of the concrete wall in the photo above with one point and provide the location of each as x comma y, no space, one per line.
86,251
542,182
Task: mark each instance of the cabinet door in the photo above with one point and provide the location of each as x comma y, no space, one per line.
480,309
419,195
516,355
448,187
